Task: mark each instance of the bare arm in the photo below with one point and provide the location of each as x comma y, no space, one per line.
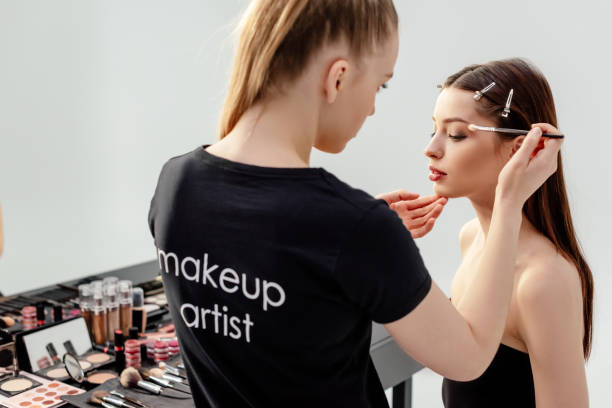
550,305
460,343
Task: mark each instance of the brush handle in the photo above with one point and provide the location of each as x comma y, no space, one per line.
129,399
524,132
174,371
117,402
145,385
173,378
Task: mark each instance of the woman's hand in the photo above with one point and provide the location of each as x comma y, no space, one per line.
525,172
418,214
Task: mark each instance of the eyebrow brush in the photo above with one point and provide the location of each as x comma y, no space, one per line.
512,131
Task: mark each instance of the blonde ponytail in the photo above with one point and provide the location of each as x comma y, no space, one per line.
277,38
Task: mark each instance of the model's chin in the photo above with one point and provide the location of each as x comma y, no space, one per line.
444,191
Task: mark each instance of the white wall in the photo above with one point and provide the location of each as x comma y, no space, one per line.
96,95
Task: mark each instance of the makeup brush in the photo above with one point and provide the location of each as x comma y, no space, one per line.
159,373
97,401
6,322
150,375
129,399
511,131
174,371
105,396
130,378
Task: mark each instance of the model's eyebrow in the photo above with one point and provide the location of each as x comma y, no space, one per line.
449,120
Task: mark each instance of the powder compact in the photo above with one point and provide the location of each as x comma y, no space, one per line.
11,386
88,362
77,373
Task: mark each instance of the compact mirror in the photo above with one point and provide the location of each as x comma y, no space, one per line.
71,362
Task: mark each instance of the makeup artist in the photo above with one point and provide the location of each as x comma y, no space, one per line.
274,270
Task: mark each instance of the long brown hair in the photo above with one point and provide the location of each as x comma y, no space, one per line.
548,208
278,38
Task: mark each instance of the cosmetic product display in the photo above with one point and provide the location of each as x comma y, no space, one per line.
52,352
161,352
173,347
139,314
75,371
110,281
134,333
112,315
125,305
85,303
44,395
28,317
72,340
40,314
99,319
69,347
119,350
58,313
16,385
133,356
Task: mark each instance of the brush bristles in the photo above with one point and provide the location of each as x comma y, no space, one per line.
144,373
95,400
100,394
157,372
129,377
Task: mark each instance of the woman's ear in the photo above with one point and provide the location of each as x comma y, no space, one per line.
336,76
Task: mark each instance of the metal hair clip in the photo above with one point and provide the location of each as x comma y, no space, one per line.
480,93
506,111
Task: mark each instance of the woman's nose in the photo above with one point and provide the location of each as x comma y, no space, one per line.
433,150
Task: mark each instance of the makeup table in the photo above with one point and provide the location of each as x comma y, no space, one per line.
395,368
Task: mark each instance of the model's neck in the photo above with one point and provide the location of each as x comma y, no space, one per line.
484,213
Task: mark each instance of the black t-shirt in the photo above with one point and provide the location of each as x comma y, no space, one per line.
273,277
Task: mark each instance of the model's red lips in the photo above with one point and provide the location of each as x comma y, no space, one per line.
436,171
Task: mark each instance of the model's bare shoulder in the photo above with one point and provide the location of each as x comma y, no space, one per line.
549,286
468,234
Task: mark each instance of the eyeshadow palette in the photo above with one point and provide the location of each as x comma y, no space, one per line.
89,361
44,396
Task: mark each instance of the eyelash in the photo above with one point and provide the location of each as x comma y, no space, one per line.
453,137
383,86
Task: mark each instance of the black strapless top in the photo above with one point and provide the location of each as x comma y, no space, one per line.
508,382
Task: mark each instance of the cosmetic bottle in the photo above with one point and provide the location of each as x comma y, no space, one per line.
139,314
99,319
112,315
125,305
85,303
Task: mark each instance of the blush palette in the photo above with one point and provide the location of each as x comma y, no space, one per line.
44,396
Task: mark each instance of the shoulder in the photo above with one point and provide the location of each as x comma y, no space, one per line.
351,196
549,285
468,233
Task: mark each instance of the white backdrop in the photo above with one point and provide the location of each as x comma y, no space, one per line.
96,95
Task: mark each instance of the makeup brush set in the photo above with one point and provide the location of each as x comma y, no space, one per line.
140,388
